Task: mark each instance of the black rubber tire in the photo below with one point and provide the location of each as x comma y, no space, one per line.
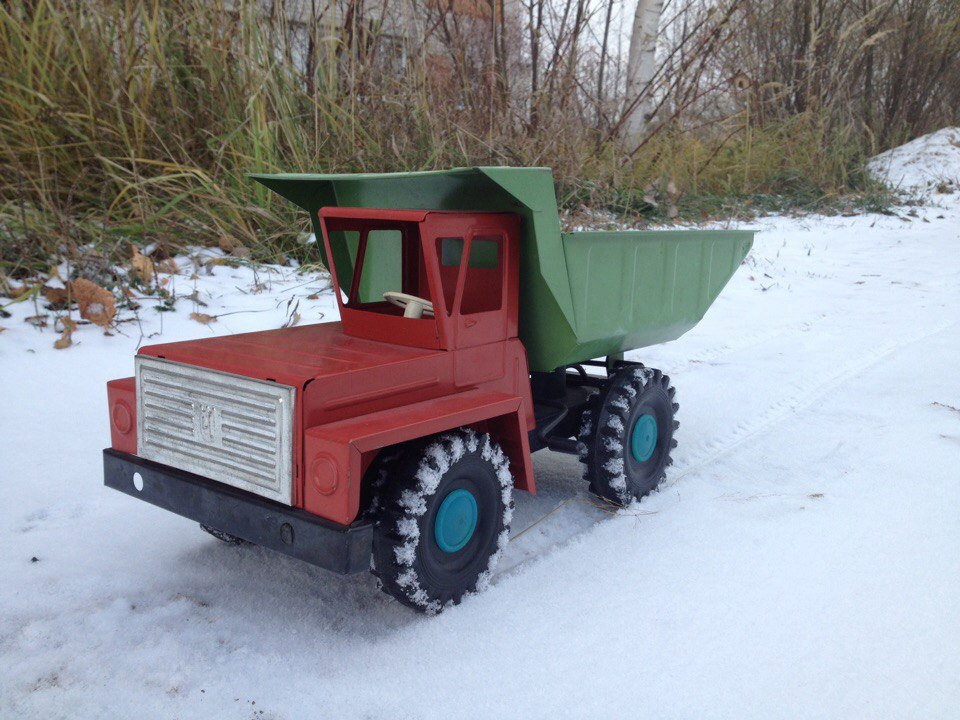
406,558
610,467
224,537
376,479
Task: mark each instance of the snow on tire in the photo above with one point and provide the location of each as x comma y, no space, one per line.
444,520
627,433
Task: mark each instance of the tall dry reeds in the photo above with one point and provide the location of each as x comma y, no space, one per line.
134,121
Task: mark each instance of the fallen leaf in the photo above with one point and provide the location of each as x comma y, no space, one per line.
168,266
142,265
203,318
313,297
38,321
96,304
55,295
2,328
64,341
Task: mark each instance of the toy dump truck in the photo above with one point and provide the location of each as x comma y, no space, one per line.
469,336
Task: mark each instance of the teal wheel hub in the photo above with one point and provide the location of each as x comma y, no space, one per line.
456,521
643,439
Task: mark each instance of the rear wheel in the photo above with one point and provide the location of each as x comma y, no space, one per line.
627,434
443,520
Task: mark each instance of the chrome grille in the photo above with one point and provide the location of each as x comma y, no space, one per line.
228,428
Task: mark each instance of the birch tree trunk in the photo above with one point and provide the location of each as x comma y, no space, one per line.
641,67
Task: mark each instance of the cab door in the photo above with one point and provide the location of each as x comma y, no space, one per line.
474,256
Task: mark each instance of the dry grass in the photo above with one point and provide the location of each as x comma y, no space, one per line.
133,122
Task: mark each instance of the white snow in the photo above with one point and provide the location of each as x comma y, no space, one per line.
801,561
927,165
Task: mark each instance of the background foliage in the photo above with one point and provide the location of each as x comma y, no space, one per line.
133,121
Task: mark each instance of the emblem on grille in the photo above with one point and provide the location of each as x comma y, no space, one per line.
207,424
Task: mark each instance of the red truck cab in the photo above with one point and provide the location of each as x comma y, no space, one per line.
271,436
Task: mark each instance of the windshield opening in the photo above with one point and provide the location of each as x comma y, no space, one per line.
380,267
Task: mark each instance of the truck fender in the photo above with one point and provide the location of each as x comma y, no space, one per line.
337,454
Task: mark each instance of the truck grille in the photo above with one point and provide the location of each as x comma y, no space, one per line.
228,428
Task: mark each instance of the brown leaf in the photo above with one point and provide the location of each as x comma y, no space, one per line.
142,266
96,304
64,341
313,297
203,318
2,328
168,266
38,321
55,295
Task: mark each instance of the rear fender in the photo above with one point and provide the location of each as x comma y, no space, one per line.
337,454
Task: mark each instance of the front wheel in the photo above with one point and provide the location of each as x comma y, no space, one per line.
627,434
443,520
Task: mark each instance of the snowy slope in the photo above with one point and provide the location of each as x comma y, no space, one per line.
801,561
926,165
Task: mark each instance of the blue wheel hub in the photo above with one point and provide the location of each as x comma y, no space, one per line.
456,521
643,439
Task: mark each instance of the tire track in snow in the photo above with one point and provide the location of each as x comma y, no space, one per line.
578,511
804,396
744,342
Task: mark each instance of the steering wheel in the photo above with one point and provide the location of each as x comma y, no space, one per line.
413,306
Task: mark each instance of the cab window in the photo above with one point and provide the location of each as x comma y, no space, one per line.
483,284
382,268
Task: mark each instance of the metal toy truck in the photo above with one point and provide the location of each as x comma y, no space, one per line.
392,440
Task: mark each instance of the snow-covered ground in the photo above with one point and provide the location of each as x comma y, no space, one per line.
923,166
800,562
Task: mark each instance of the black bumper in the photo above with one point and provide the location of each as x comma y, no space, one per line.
263,522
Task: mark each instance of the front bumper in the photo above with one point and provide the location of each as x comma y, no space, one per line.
343,549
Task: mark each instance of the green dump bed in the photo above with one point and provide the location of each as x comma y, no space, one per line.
582,295
634,289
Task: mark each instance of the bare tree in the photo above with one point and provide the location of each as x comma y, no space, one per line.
641,67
